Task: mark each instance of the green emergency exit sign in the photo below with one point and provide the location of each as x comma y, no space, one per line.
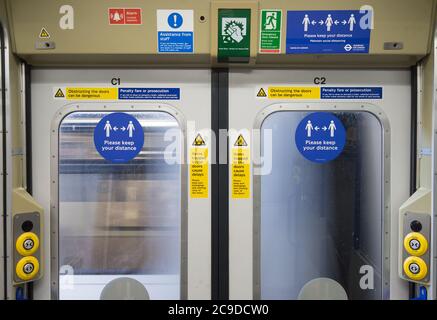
233,35
270,31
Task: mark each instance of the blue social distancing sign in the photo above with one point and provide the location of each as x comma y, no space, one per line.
118,137
328,31
320,137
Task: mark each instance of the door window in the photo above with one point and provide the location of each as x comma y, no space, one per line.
321,224
119,220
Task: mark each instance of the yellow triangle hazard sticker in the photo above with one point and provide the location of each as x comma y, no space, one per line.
261,93
198,141
44,34
240,141
59,94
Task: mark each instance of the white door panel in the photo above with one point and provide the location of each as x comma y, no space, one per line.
394,109
193,107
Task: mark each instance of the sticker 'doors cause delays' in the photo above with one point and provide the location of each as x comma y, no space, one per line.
199,168
320,137
240,168
118,137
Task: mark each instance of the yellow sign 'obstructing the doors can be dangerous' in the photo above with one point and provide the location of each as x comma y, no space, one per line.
294,93
91,93
240,164
199,169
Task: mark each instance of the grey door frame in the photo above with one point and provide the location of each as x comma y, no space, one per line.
54,178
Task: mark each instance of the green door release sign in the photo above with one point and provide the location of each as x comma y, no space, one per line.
270,31
233,35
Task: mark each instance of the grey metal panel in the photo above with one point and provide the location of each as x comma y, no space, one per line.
433,241
2,248
6,168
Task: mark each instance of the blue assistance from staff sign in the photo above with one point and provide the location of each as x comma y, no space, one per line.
328,31
320,137
170,41
118,137
175,33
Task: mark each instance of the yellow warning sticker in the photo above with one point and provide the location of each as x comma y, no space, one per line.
240,166
261,93
240,142
198,141
199,169
59,94
294,92
44,33
91,93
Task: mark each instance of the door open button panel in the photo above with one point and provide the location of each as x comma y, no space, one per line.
27,253
415,250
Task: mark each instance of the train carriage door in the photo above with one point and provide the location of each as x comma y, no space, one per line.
316,182
123,219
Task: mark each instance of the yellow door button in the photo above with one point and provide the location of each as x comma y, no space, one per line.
27,243
415,244
27,268
415,268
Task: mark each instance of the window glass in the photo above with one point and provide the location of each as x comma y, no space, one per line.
321,225
119,220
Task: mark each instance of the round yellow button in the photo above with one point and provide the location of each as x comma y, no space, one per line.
415,268
27,243
27,268
415,244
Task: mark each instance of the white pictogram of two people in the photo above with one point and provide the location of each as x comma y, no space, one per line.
309,128
108,128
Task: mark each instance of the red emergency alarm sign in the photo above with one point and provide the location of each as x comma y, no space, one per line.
124,15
